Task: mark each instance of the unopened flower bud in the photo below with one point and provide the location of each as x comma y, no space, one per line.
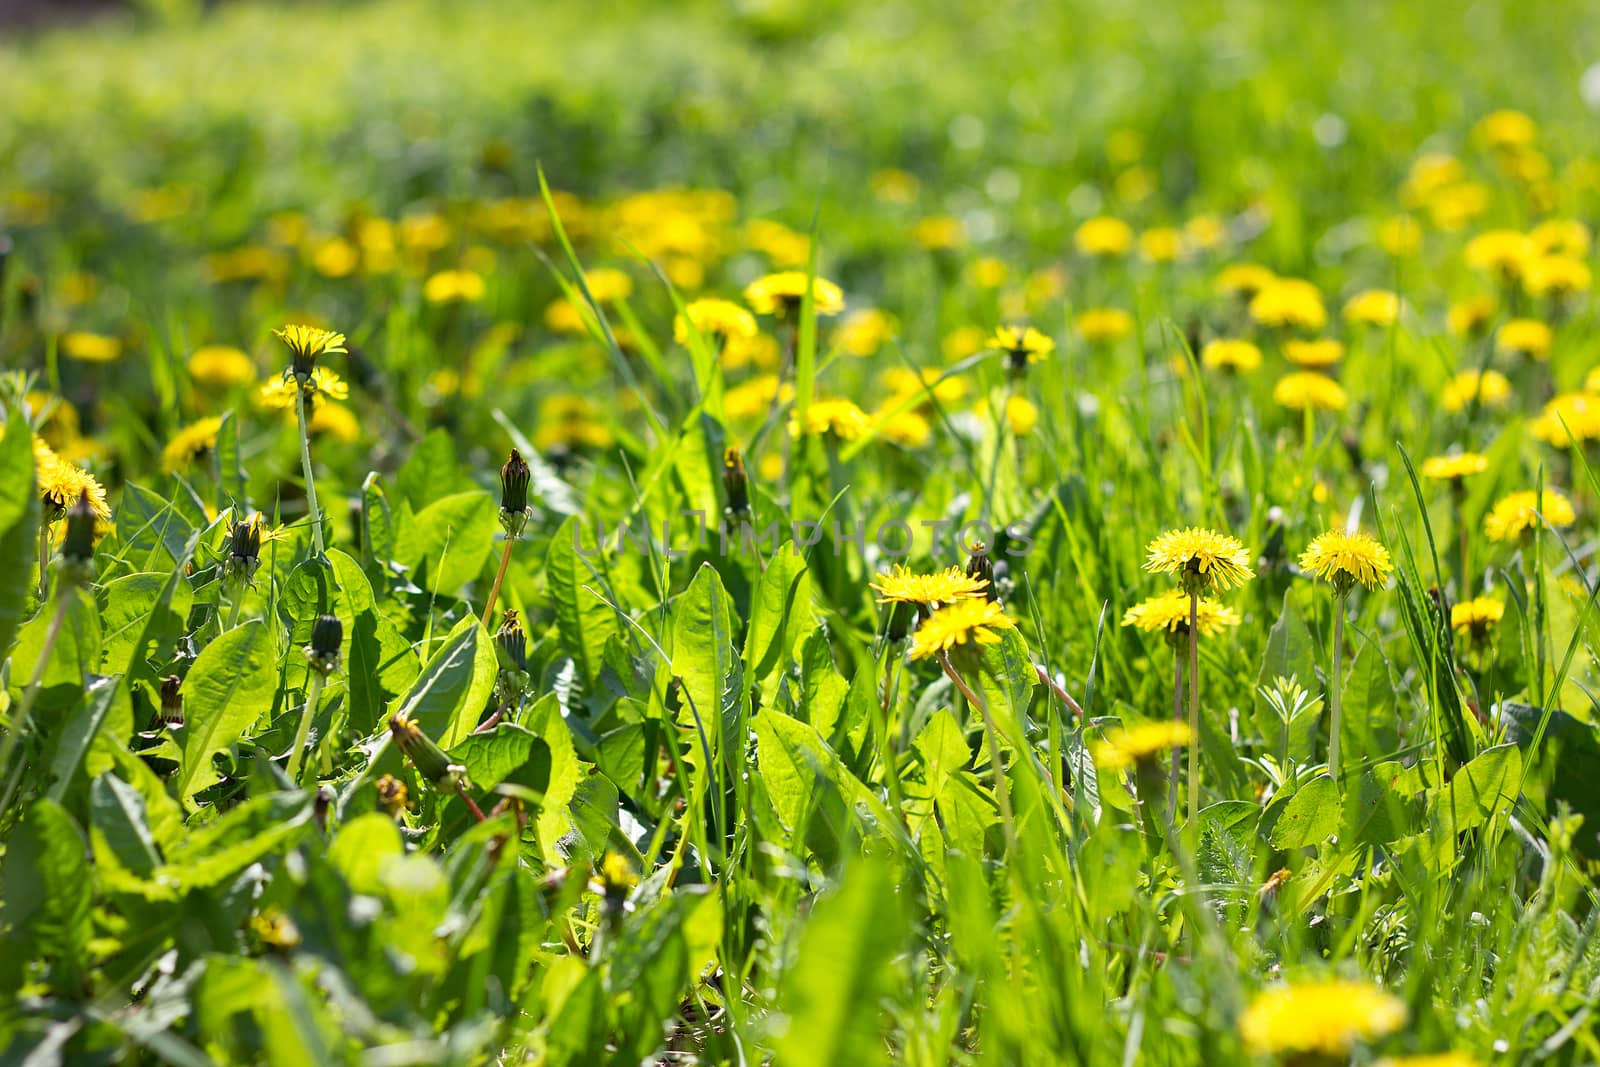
78,547
244,549
980,565
511,643
392,795
172,701
735,483
327,635
515,477
428,758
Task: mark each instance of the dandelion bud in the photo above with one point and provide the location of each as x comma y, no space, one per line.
980,566
327,634
171,701
78,547
511,643
428,758
735,483
515,478
392,795
244,549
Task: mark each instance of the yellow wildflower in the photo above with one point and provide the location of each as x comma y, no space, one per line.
1124,747
1324,1018
1347,558
1518,514
972,620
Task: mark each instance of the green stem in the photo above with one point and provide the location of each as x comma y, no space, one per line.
1336,686
499,579
1002,786
44,560
888,751
237,608
1194,709
1177,716
313,697
20,721
313,512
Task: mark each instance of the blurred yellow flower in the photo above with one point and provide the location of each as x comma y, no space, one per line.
221,367
1230,354
1161,244
1103,325
1308,389
894,186
1326,1018
1124,747
756,397
863,332
336,421
1524,337
1518,513
1557,276
335,257
715,319
1476,617
1399,235
88,347
1470,316
190,443
939,232
1374,307
1561,237
1169,612
780,244
1504,129
453,286
1204,232
839,417
1317,352
1022,344
1568,417
1488,388
988,272
1244,279
1103,236
1501,252
1289,302
782,294
278,394
1454,468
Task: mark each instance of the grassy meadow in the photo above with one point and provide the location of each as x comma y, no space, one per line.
800,533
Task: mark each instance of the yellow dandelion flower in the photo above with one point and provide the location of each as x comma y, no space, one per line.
901,585
962,342
607,284
756,397
1454,468
781,294
278,394
1563,237
1399,235
1244,279
189,444
967,620
1437,1059
336,421
1347,558
863,332
88,347
715,319
1289,302
939,232
785,247
1453,207
1308,389
1568,417
334,257
1591,381
1466,318
1476,617
1517,514
563,316
1204,232
1103,236
1504,129
895,186
307,343
1327,1017
905,428
1488,388
1524,337
1556,276
1124,747
1201,558
988,272
1318,352
1374,307
1161,244
61,484
903,383
1501,252
1169,612
221,367
1230,354
454,286
1103,325
1022,345
839,417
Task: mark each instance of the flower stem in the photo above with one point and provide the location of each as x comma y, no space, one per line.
44,559
1002,786
24,710
499,579
313,697
237,608
1194,709
888,751
1336,685
1177,716
313,512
